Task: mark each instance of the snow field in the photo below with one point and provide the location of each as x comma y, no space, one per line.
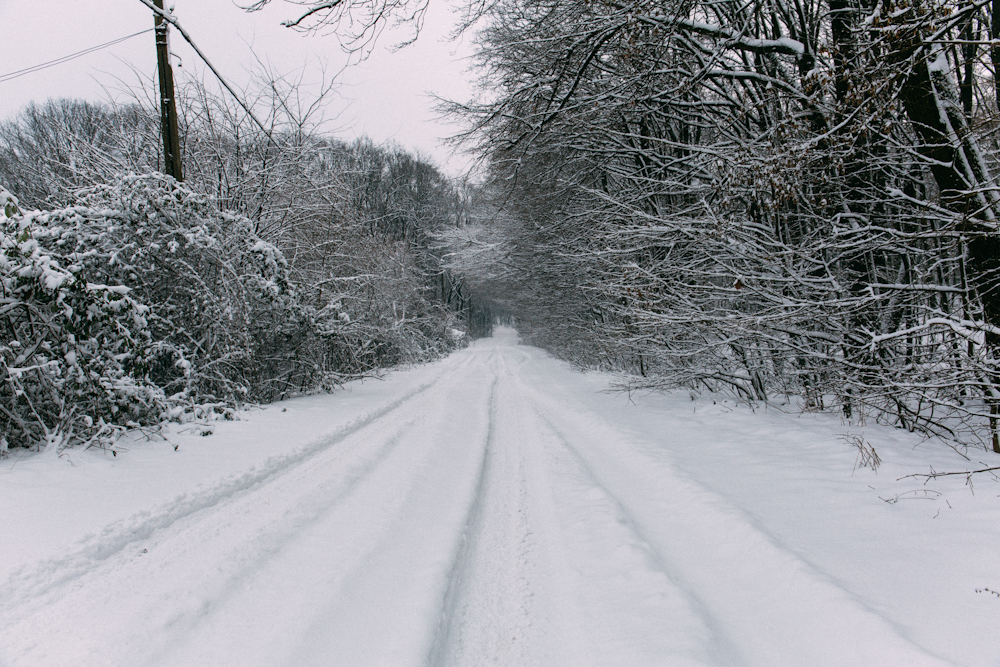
495,508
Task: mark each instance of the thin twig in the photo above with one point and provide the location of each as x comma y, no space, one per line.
934,475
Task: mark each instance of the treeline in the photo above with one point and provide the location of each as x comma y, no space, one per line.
762,197
282,264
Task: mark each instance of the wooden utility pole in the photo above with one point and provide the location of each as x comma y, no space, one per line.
168,106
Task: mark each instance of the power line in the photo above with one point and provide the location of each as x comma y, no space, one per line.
72,56
170,18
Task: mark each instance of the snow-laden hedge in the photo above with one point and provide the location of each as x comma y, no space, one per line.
75,352
141,300
144,302
215,288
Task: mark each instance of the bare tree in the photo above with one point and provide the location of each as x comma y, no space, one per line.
761,196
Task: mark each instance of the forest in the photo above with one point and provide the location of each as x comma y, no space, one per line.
777,198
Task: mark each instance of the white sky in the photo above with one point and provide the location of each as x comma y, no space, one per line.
384,97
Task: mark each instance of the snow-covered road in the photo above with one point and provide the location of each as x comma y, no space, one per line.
481,515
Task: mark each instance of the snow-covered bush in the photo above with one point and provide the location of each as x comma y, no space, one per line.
144,301
215,290
75,349
140,296
227,319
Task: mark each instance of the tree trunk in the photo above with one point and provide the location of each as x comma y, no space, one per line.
965,185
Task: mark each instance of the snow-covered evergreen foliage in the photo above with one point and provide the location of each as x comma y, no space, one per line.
144,301
76,346
214,288
138,301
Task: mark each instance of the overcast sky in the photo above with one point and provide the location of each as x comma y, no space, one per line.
383,97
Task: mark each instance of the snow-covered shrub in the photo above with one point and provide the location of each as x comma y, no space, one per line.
216,291
140,302
75,348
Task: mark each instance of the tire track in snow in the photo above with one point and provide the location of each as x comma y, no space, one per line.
244,537
634,611
270,544
740,577
486,609
400,590
36,579
533,584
